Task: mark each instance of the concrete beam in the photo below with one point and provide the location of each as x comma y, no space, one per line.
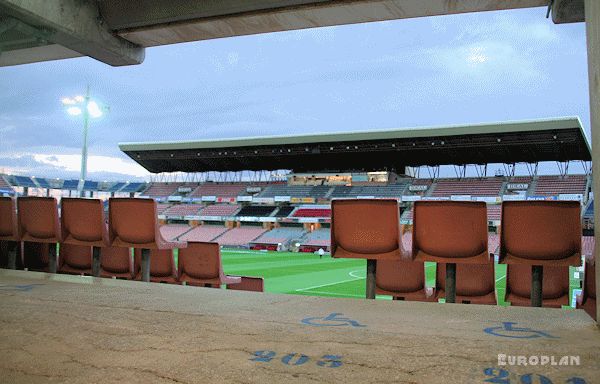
568,11
592,22
76,25
159,22
36,54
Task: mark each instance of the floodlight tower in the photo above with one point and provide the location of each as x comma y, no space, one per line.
89,108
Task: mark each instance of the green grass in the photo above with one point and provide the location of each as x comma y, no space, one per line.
307,274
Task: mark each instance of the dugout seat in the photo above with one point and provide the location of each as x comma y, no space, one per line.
75,259
248,283
38,223
404,280
587,299
162,266
83,224
475,283
133,223
10,255
555,286
200,264
116,262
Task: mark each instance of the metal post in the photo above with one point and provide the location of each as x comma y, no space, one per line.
371,269
96,261
84,150
12,255
52,258
592,22
537,276
145,265
451,283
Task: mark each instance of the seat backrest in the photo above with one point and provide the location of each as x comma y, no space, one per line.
133,222
115,259
75,256
82,221
8,219
201,260
255,284
555,281
365,226
590,278
400,275
540,230
450,229
471,279
38,219
162,262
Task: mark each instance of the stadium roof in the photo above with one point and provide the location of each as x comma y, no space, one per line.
557,139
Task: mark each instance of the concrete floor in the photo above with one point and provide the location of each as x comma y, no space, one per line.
69,329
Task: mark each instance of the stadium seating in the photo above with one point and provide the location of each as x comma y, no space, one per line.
116,262
39,223
83,224
5,187
162,207
240,236
162,266
404,280
219,190
475,283
587,299
9,233
89,185
312,212
284,211
468,186
42,183
70,185
133,187
200,264
319,238
75,259
248,283
115,187
173,231
24,181
287,190
555,286
182,210
133,223
555,185
281,235
256,210
204,233
494,212
219,210
161,189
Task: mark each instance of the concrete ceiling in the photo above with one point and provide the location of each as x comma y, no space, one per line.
117,31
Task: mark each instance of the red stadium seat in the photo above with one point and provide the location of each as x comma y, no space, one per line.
75,259
587,300
255,284
116,262
475,283
555,286
133,223
83,224
162,266
39,223
9,234
404,280
200,264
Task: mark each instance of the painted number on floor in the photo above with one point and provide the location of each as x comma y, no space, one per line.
502,376
328,361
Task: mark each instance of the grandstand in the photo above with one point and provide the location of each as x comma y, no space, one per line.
181,210
240,236
319,238
277,236
219,190
174,231
204,233
468,186
219,210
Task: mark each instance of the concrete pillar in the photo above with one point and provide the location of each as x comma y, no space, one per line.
592,22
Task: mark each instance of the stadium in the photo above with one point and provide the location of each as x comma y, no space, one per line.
311,257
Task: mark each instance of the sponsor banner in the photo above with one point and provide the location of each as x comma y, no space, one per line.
267,219
488,199
442,198
225,200
253,189
410,198
195,199
160,199
308,220
520,186
174,217
571,196
244,198
460,198
210,218
518,197
247,218
308,200
542,197
264,200
406,221
186,200
175,198
417,188
184,189
209,198
191,217
365,197
162,217
283,199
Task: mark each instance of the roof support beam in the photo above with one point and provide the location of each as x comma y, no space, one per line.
568,11
76,25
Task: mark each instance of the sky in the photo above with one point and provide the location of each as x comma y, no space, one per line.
460,69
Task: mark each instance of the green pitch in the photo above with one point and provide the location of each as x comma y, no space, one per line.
307,274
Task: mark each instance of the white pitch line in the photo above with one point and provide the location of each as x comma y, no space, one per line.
500,278
352,273
335,294
326,285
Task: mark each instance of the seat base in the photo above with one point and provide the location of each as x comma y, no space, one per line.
396,254
482,258
66,269
520,301
420,295
573,260
489,299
